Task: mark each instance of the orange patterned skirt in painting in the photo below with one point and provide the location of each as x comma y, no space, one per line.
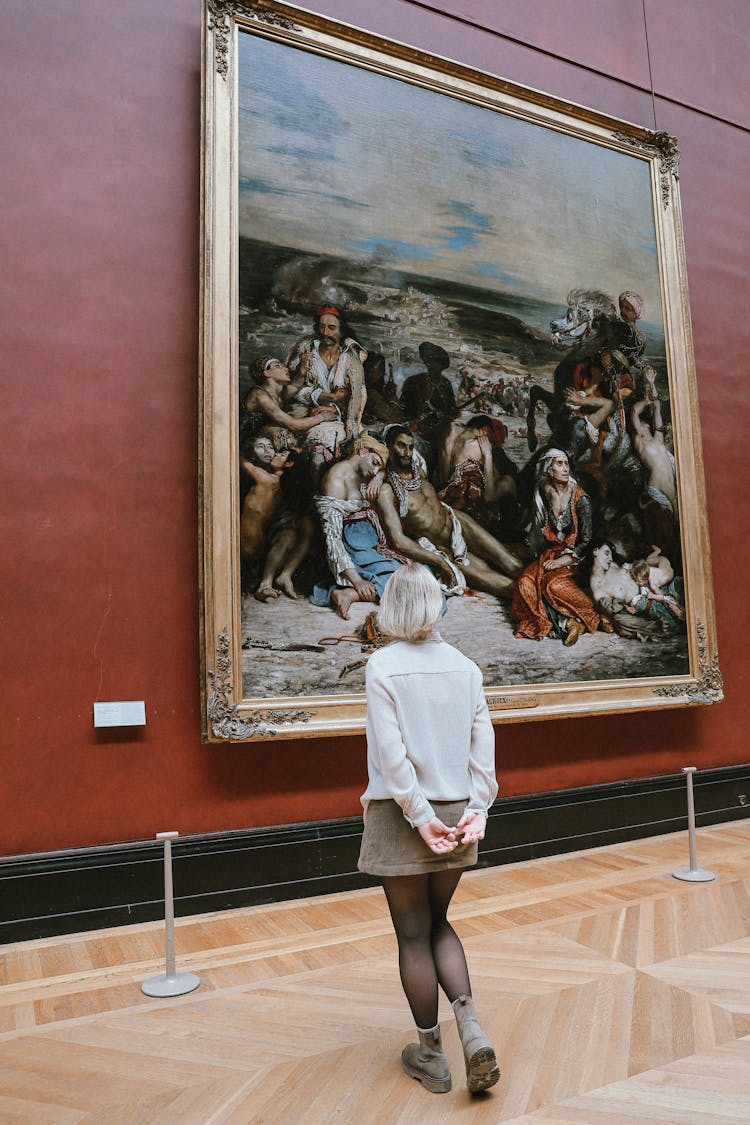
558,588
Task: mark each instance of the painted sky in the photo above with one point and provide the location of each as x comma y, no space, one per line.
337,160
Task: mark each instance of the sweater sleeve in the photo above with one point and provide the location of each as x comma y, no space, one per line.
482,758
388,749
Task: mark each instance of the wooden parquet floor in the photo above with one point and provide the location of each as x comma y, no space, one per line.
614,994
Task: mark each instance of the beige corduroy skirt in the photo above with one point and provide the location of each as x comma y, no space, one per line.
390,846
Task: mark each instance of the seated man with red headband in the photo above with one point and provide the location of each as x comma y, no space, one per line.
327,370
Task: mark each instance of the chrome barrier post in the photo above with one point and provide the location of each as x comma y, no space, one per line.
169,983
693,873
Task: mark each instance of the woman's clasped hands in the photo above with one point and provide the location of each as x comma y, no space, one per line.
441,839
471,827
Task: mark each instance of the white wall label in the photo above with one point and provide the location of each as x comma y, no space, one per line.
127,713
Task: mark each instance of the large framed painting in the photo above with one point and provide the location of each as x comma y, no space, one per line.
444,319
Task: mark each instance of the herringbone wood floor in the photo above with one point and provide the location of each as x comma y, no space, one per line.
614,993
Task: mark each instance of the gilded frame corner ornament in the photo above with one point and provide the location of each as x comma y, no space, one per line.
709,687
220,17
664,147
225,722
228,713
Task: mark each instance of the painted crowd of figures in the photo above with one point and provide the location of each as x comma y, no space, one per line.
339,466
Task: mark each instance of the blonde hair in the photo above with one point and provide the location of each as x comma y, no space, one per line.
411,605
641,571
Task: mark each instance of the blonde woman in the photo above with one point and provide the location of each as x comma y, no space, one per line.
431,770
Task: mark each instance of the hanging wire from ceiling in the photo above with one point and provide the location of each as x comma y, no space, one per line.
650,72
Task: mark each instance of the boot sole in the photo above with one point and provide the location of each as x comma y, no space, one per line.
434,1085
482,1070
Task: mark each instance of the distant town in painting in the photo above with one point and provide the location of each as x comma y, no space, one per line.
451,350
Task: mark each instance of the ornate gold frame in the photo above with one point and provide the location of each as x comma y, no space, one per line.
226,715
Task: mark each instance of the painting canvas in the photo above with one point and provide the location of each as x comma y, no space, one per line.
452,340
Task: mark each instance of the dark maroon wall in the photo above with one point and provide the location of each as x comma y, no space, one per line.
100,174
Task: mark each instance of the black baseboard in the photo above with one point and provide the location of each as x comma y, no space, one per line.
91,888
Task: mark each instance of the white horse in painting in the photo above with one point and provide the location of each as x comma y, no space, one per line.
576,323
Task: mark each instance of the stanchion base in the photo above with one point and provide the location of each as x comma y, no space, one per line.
693,875
177,985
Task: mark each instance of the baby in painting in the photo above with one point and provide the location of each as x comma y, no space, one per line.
660,593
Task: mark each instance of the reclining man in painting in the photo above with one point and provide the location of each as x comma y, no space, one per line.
548,600
423,528
481,478
327,370
359,558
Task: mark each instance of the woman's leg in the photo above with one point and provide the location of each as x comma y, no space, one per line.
408,898
447,951
429,949
482,1070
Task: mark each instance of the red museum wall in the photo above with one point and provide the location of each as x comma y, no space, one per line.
100,295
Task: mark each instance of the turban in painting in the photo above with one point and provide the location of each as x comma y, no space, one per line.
367,441
635,300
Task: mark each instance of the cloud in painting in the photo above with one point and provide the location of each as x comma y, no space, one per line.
339,159
297,152
290,103
468,231
481,149
250,185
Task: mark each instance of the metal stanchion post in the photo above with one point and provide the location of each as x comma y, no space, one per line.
693,873
170,983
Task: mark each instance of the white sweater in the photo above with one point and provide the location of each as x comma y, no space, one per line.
429,734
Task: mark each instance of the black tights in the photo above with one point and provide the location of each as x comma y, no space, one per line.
429,949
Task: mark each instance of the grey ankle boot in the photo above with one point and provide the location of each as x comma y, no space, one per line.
482,1070
426,1062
